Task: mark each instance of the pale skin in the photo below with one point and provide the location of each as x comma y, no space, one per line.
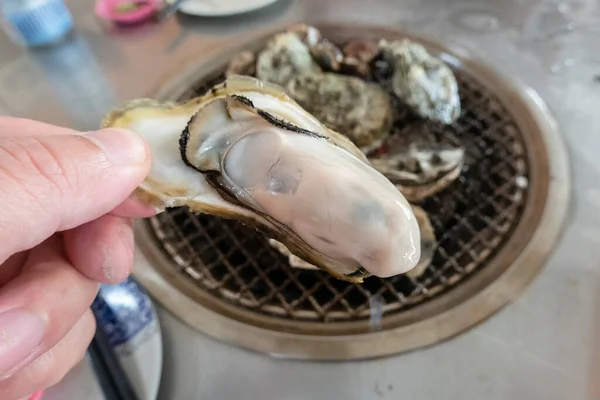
66,216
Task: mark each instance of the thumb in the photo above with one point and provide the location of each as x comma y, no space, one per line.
54,183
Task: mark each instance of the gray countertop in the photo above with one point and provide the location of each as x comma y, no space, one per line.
545,345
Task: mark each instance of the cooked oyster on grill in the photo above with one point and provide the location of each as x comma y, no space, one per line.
422,81
355,57
428,243
247,151
362,111
420,173
358,55
284,57
327,54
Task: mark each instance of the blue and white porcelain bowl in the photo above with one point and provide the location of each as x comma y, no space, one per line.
127,316
33,23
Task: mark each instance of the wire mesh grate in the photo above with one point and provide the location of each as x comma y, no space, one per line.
472,219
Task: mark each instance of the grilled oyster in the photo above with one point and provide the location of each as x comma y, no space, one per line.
327,54
247,151
362,111
420,173
428,243
422,81
358,55
284,57
299,49
296,60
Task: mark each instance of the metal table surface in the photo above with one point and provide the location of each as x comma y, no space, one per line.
545,345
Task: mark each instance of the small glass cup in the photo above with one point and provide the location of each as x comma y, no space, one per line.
35,23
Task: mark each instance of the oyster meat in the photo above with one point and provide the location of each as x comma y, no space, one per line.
362,111
421,173
247,151
424,82
428,243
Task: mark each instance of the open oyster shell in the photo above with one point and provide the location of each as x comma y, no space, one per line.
247,151
428,244
421,173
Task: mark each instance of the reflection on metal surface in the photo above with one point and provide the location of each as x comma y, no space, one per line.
477,17
562,34
17,93
487,224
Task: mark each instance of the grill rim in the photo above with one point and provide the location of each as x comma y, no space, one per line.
508,272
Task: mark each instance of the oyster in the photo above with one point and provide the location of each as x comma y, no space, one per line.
362,111
247,151
284,57
428,243
309,35
294,59
327,54
358,55
299,50
422,81
421,173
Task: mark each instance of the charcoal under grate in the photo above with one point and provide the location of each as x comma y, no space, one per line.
472,219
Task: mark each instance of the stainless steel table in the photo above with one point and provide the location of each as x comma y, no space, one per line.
546,345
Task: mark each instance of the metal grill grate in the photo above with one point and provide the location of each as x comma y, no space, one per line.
472,218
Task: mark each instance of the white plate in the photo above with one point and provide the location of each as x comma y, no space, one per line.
220,8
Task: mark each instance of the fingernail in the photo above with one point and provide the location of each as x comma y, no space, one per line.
21,332
122,147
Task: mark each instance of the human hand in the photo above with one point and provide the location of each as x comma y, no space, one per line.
65,226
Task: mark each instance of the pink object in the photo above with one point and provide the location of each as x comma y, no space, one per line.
37,395
108,9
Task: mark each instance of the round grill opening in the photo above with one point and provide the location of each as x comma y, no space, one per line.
485,224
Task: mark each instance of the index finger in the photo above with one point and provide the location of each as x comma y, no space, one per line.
22,127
